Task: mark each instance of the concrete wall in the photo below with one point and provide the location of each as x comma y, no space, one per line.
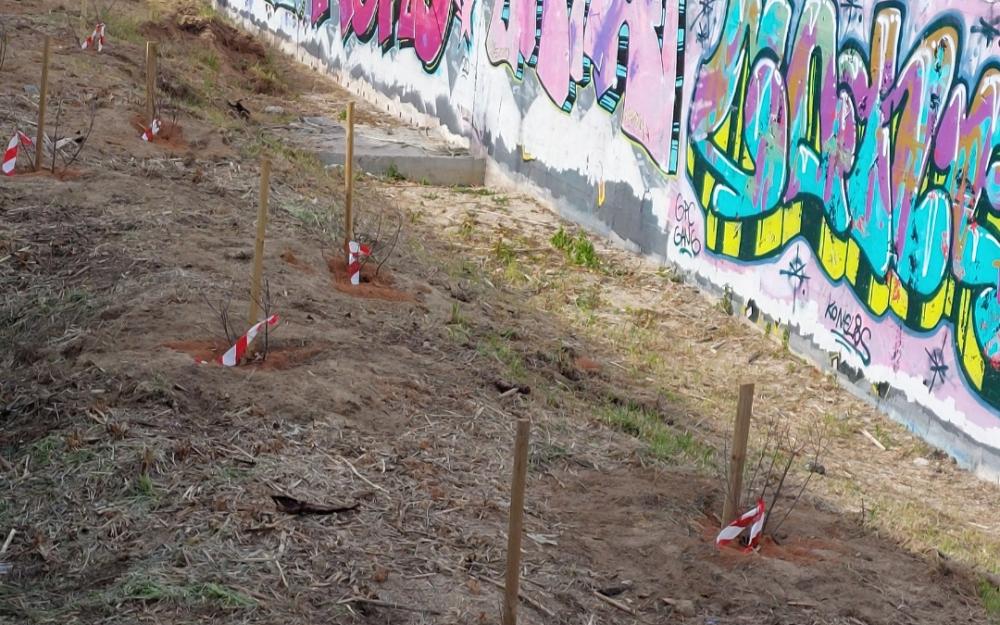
835,162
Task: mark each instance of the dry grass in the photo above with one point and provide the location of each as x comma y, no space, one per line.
670,337
140,483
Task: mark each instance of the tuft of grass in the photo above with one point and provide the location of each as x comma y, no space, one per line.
392,173
589,300
457,318
561,240
506,257
497,347
123,27
642,317
929,528
264,77
207,11
78,457
42,451
726,303
216,593
144,487
504,252
839,427
990,596
668,273
297,159
544,454
664,442
481,191
324,220
208,58
583,253
149,590
468,226
578,248
457,326
883,436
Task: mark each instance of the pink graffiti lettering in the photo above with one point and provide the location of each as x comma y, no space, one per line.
320,10
578,45
422,24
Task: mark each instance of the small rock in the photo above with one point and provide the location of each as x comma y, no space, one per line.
684,607
921,462
274,110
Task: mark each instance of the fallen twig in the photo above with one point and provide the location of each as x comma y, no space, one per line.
525,598
874,440
360,477
614,603
10,539
388,604
291,505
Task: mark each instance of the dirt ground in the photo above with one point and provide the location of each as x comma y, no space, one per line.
138,485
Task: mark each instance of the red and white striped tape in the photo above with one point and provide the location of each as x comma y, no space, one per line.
355,252
752,518
152,131
97,37
10,154
235,354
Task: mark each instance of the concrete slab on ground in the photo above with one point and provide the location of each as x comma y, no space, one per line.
415,154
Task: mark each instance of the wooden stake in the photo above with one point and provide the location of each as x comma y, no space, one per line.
258,252
515,525
738,454
150,82
349,177
43,93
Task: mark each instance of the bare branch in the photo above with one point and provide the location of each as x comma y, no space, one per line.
777,491
80,143
392,248
264,303
222,313
266,307
55,131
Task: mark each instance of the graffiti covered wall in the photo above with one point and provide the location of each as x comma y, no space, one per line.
837,162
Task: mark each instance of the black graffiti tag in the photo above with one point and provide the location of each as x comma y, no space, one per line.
850,330
686,231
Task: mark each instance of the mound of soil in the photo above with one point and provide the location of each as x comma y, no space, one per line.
238,51
290,258
372,286
171,134
61,174
187,20
280,355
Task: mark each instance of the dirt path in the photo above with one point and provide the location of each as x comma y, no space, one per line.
140,483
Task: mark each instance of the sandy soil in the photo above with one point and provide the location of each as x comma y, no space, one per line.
139,483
